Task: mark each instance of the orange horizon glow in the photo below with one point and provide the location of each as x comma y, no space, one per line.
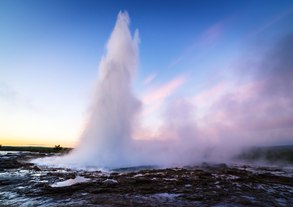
24,142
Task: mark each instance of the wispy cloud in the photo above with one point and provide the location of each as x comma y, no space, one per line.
174,62
155,99
209,36
272,22
149,78
212,93
213,78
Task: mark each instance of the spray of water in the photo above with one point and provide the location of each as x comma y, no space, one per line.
106,138
114,107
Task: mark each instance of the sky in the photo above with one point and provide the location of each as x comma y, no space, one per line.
229,59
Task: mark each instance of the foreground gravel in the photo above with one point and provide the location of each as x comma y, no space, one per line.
24,184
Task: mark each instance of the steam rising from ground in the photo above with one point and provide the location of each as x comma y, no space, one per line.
258,109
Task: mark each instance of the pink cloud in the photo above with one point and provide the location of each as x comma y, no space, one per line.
149,78
212,93
207,37
272,22
174,62
211,34
249,108
156,98
213,78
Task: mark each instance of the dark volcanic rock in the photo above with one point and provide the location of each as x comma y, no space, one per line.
24,184
36,168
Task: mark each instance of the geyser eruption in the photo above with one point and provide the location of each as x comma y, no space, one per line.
107,134
106,137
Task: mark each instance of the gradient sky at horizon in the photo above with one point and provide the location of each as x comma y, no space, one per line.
50,53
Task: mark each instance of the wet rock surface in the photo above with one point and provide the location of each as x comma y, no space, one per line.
24,184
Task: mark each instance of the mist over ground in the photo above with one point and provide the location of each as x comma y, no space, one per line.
255,108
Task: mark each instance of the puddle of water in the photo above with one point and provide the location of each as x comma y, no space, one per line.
8,152
138,175
110,180
170,179
69,182
167,195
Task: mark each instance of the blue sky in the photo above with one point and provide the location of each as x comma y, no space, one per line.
50,53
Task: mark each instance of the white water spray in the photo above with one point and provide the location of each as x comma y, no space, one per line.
107,134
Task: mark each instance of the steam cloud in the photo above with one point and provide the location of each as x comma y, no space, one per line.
257,110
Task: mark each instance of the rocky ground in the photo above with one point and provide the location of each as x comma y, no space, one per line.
24,184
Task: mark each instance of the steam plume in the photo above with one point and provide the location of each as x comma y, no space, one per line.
108,132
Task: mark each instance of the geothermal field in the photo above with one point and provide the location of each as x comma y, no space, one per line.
238,184
230,145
